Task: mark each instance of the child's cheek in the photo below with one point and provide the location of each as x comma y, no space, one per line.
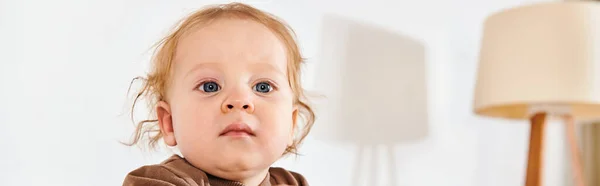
275,101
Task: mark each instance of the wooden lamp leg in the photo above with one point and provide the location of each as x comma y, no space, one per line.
535,158
574,149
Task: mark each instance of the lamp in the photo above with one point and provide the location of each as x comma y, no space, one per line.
541,60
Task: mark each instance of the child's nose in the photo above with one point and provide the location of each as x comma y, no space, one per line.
242,104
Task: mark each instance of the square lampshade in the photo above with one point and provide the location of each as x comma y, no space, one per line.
543,56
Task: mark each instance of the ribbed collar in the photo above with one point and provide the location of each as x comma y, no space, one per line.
216,181
200,176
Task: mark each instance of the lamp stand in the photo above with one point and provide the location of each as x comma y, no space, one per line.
535,157
574,149
536,144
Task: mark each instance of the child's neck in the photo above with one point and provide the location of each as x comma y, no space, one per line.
252,180
257,179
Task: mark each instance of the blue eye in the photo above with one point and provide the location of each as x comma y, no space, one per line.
209,86
263,87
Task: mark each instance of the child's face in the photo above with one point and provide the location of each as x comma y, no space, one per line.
231,72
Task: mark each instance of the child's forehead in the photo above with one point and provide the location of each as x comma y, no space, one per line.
238,41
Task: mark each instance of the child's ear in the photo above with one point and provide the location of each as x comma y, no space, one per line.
165,122
294,124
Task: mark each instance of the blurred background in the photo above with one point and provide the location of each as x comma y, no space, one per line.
397,79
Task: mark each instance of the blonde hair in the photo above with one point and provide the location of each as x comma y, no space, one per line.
156,82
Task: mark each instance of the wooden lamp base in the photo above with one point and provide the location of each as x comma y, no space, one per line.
535,157
536,144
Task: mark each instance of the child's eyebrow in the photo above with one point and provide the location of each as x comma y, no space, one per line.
256,67
267,67
200,66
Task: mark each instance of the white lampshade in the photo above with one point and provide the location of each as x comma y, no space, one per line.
544,56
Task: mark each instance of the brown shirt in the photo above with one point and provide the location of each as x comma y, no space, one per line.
176,171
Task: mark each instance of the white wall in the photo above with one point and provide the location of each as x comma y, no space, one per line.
65,67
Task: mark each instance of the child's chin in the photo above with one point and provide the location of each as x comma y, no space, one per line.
244,162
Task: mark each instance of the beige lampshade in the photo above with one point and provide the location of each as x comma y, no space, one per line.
541,57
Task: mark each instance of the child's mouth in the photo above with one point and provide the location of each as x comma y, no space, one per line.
237,130
237,134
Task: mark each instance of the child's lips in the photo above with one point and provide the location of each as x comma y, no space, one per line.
237,134
237,129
